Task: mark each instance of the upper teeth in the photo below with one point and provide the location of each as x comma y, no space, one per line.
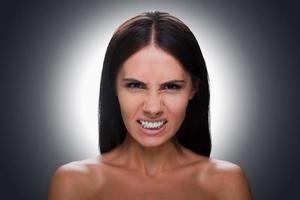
147,124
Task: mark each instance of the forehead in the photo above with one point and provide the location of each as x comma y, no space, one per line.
152,63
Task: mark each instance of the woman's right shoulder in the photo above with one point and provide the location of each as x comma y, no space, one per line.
77,180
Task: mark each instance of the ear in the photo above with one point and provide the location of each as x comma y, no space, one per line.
192,93
194,90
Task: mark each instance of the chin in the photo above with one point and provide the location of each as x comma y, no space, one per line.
152,142
151,139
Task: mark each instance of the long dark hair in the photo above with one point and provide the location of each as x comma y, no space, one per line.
172,35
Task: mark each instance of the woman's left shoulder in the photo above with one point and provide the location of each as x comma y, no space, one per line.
225,179
224,170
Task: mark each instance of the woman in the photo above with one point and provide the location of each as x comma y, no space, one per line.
154,122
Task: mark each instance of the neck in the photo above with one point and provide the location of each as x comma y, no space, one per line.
151,160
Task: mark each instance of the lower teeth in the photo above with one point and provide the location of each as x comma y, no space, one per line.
158,127
151,127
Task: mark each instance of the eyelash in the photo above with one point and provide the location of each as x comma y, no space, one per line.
172,86
136,85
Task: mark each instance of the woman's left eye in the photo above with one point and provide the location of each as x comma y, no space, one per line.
171,87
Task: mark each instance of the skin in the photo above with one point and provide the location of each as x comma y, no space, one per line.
151,167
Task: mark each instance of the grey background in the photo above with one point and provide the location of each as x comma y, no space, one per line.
268,34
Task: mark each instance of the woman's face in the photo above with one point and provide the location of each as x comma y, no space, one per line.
153,91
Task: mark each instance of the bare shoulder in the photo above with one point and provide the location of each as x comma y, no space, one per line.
76,180
225,180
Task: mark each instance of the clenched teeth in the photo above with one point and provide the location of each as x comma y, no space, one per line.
147,124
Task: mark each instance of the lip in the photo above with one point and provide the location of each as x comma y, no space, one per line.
153,120
152,132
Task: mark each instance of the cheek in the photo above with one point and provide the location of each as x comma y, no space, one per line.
129,105
176,106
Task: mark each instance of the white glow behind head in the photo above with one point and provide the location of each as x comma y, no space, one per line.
73,102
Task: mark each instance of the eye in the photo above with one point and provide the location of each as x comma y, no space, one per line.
135,85
171,86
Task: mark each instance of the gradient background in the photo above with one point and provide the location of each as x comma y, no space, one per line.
51,57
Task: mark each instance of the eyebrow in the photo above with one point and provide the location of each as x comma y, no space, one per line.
168,82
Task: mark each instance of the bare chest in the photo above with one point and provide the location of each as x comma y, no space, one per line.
173,187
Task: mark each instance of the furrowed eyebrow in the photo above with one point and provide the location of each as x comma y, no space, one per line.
168,82
133,80
173,81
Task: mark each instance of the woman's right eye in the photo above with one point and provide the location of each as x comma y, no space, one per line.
135,85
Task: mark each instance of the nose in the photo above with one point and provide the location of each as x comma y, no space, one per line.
153,105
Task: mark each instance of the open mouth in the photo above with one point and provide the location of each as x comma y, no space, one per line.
152,125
